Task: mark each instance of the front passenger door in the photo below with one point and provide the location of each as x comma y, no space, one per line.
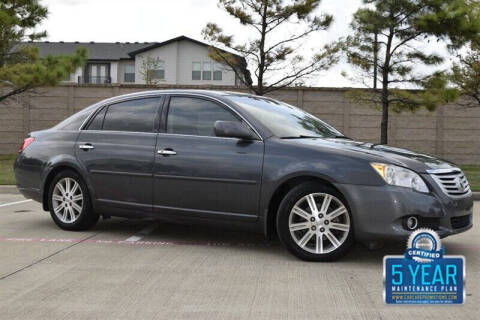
199,174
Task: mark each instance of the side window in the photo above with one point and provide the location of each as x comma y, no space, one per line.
129,75
217,72
97,122
134,115
196,71
195,116
207,72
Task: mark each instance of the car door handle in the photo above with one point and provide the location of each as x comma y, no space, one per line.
86,147
166,152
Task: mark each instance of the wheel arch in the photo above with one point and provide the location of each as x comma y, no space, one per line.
50,175
282,189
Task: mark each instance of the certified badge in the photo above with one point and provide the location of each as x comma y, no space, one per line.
424,275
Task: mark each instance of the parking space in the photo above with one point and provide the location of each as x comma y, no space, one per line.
145,270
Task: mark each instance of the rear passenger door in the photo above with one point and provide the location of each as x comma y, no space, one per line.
118,148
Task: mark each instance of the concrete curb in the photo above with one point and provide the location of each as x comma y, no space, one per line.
9,189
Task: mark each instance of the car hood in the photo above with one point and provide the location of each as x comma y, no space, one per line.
382,153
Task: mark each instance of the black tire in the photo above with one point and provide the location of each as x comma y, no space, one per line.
87,217
283,230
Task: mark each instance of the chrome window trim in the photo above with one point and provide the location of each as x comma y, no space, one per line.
170,94
193,135
118,132
120,99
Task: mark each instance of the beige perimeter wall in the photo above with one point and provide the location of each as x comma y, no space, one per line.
450,132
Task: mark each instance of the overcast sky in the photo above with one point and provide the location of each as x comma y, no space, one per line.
159,20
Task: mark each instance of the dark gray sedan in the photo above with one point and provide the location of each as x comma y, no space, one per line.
237,160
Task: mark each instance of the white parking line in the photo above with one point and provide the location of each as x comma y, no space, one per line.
16,202
142,233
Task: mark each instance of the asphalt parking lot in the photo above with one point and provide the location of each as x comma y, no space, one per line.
144,270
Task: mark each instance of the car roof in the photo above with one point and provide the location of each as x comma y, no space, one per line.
208,93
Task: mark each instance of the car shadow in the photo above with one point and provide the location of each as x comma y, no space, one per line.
184,234
196,235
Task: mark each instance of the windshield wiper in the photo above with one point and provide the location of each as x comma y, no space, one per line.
316,137
300,137
342,137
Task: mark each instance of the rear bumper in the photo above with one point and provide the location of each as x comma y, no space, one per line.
28,178
379,212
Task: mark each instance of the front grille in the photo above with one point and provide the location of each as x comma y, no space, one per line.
452,182
461,222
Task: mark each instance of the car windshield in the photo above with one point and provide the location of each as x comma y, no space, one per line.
284,120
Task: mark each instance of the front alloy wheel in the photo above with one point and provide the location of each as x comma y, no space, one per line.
314,223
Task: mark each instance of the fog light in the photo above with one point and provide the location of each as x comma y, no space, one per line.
412,223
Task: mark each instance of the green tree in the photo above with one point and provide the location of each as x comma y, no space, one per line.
403,27
149,69
21,67
280,28
465,76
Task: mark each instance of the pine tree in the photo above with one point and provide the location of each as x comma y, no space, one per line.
402,27
280,27
465,76
21,67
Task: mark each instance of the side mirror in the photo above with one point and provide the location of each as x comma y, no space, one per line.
234,129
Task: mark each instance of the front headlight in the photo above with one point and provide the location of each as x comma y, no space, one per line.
398,176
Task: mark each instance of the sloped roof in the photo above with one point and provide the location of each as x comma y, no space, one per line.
161,44
105,50
96,50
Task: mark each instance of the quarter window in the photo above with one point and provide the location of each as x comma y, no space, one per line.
196,71
207,71
97,122
195,116
134,115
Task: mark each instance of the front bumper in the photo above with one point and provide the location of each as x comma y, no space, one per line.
379,212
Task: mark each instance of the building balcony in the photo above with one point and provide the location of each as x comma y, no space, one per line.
95,80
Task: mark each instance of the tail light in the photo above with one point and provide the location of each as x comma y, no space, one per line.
26,143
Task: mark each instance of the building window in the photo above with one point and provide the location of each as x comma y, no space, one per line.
196,71
159,72
129,75
97,73
217,72
207,71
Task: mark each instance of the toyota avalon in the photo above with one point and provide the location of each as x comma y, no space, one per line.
237,160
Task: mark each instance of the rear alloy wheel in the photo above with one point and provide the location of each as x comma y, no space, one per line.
314,223
69,202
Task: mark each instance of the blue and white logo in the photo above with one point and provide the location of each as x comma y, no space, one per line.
424,246
424,275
